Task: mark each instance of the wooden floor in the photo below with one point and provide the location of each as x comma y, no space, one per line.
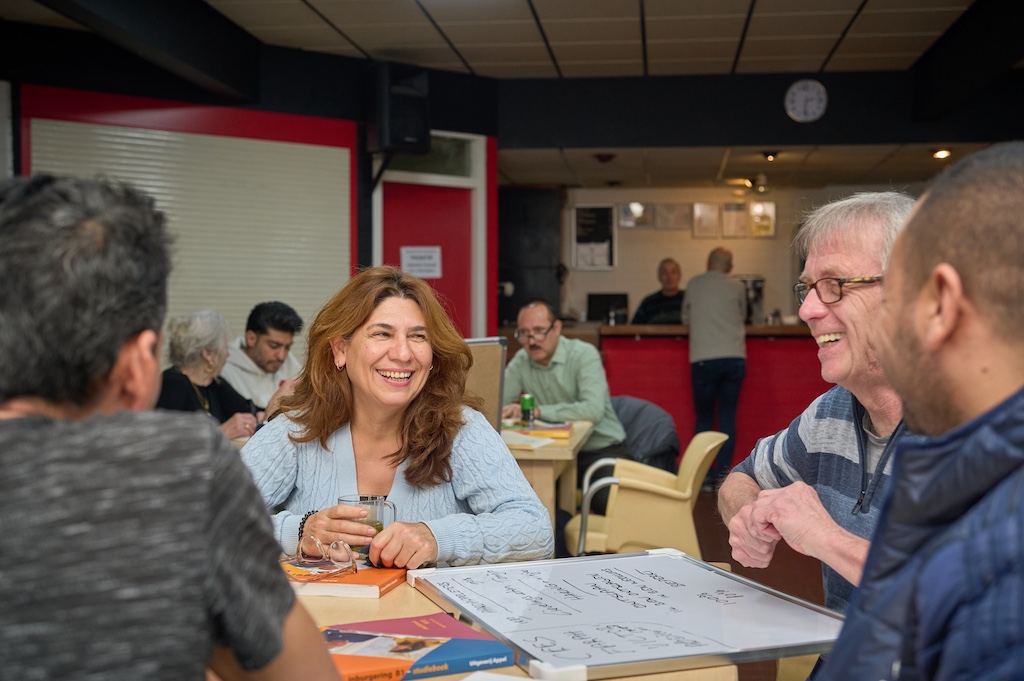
790,571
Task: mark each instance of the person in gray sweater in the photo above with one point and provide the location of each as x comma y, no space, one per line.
380,409
135,545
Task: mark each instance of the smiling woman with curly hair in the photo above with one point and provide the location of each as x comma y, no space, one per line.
380,408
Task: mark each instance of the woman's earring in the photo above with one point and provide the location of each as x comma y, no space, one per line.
431,368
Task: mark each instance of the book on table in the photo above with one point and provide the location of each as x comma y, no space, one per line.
319,579
412,648
554,429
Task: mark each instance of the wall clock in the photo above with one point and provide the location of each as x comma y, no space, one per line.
806,100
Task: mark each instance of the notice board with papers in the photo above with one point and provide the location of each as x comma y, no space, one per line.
606,616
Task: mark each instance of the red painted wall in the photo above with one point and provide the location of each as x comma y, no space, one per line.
783,377
422,215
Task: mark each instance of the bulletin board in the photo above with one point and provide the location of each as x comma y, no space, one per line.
593,237
607,616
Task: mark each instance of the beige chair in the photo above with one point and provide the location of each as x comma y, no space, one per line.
648,508
486,378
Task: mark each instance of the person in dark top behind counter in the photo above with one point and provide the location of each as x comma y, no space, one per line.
664,306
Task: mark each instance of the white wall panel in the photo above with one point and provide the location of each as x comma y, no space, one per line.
253,220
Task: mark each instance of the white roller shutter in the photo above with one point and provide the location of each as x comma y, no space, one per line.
253,220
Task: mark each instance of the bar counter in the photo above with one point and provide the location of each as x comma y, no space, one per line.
651,361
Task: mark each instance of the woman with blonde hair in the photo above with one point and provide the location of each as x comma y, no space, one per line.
380,408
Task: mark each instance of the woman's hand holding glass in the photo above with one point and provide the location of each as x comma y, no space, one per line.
408,545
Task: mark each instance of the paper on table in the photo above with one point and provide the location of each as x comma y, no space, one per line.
516,440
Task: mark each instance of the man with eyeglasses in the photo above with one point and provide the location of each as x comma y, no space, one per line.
819,483
943,590
567,380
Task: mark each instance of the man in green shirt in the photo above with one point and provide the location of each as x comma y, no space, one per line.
568,383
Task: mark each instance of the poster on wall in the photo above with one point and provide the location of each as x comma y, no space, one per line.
421,261
762,219
705,221
673,216
593,239
735,222
636,214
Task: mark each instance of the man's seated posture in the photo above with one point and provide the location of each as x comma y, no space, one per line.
820,483
942,596
567,380
134,544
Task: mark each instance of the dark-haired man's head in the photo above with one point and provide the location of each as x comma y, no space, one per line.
269,334
83,277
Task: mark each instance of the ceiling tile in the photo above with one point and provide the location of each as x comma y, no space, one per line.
809,48
597,52
549,10
592,30
504,32
882,5
323,37
269,14
657,9
801,25
501,54
905,22
456,11
358,12
695,28
413,35
692,49
814,6
777,65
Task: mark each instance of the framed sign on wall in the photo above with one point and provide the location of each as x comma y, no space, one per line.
593,240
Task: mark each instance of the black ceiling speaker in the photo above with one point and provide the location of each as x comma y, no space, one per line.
399,113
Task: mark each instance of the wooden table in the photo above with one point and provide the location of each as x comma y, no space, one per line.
555,462
405,601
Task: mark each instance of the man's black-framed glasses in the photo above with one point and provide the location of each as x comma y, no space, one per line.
535,333
829,289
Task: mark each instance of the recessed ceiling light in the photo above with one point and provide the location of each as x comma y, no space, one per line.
770,155
942,153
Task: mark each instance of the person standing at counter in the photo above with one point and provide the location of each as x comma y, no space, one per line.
566,378
819,484
716,309
664,306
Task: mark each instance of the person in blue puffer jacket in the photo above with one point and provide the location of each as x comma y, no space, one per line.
942,593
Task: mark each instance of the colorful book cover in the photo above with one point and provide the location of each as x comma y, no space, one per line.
315,579
411,648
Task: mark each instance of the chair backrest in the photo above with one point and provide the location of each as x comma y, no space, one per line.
697,460
650,431
486,378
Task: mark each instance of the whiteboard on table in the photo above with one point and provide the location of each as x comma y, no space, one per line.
606,616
